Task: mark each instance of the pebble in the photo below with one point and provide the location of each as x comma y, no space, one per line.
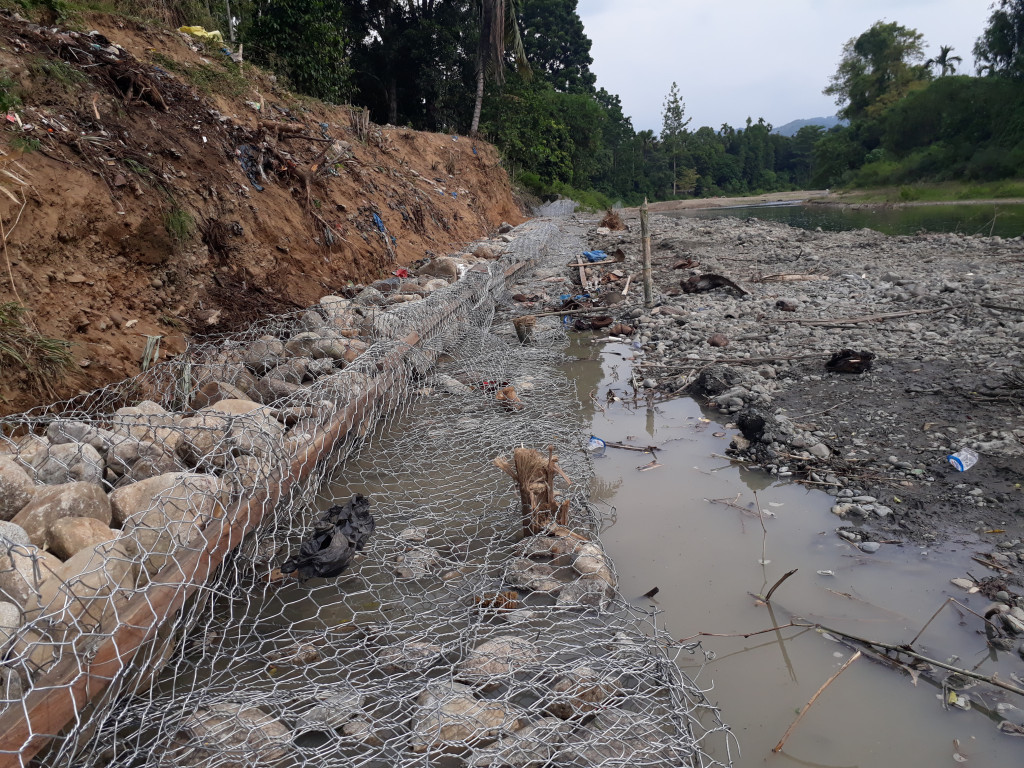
869,546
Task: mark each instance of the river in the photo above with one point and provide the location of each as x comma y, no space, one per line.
1002,219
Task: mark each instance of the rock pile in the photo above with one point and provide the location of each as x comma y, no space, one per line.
94,507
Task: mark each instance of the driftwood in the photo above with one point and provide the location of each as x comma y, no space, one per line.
787,278
814,698
535,476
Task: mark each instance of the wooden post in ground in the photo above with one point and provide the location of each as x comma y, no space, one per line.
645,237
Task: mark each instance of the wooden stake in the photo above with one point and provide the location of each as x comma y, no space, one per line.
782,741
625,290
645,237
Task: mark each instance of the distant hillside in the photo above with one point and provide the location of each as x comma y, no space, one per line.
790,128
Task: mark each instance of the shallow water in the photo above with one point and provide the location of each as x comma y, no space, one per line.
706,560
1004,220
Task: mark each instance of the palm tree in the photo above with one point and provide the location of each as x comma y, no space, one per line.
499,32
945,63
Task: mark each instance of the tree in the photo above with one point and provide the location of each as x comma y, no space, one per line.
945,63
499,32
1000,49
878,69
315,61
673,131
556,44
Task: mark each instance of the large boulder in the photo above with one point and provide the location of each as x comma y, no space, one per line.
70,535
83,599
11,619
227,734
70,462
204,439
495,660
23,570
60,501
71,431
172,518
16,488
215,391
450,717
440,266
263,354
144,495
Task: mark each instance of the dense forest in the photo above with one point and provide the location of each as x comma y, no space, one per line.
517,72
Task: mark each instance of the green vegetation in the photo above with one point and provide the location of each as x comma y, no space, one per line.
58,72
223,77
519,71
10,98
180,224
25,144
46,361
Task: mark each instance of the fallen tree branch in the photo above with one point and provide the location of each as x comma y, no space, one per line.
902,649
1002,307
862,318
814,698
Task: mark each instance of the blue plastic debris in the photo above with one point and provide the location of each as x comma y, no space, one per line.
593,256
565,297
455,195
596,445
380,224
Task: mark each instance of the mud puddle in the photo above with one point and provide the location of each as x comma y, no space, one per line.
665,531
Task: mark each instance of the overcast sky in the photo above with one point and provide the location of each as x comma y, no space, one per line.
758,58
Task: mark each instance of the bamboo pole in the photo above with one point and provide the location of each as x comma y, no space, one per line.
645,237
56,699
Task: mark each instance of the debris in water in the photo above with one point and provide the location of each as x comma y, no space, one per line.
651,593
652,464
826,573
337,536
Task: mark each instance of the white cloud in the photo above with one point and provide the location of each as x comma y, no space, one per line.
751,58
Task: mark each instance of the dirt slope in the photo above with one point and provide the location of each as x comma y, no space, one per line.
135,216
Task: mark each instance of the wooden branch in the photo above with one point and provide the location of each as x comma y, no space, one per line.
1002,307
904,650
862,318
778,747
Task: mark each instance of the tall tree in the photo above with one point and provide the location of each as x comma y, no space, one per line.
945,63
877,69
673,132
499,34
1000,49
317,60
556,44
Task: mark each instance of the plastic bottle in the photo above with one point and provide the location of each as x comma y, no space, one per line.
963,459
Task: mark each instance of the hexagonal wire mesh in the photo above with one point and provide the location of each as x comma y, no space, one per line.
450,639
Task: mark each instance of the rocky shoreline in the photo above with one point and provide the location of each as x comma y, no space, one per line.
747,315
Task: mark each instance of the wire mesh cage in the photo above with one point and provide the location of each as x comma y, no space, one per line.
291,546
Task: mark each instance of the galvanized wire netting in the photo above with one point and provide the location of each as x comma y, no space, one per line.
451,639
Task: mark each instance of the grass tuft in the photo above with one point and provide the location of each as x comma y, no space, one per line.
44,360
180,224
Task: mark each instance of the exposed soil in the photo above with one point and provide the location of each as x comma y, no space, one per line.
135,216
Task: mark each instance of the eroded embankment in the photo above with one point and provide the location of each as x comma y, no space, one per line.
155,188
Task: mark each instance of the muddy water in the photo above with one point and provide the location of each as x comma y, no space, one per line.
665,531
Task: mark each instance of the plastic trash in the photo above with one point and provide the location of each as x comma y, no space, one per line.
380,224
200,32
596,445
593,256
963,459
